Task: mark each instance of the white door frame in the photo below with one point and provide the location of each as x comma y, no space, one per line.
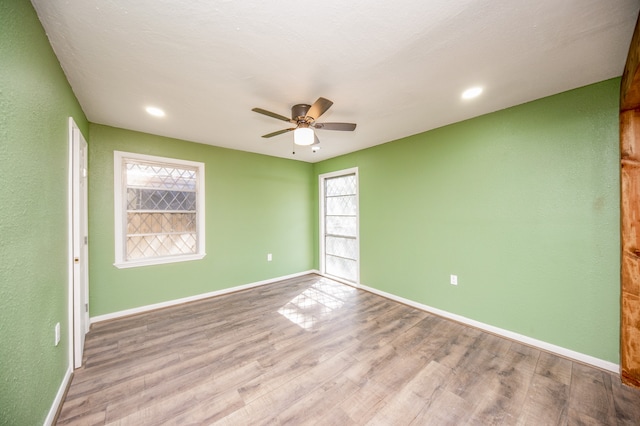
78,245
321,179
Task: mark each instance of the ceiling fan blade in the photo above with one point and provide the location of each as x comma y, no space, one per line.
318,108
348,127
271,114
279,132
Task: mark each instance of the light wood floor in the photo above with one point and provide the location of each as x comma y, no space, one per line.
313,351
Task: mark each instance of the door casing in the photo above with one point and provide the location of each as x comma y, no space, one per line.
78,244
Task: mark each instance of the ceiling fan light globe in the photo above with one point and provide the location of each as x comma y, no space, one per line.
303,136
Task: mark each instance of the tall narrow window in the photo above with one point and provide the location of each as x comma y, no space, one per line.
340,245
159,209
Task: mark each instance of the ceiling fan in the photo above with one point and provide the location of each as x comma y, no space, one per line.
304,117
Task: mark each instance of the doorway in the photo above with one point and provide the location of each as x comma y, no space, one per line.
629,213
78,243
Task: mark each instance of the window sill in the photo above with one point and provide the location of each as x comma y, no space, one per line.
158,261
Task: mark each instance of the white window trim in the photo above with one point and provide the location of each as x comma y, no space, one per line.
321,179
120,211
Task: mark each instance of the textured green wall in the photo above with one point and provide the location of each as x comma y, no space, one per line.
521,204
255,205
35,103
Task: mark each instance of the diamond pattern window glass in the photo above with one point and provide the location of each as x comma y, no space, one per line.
340,226
161,209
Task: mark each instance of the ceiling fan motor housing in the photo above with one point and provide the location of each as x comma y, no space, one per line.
299,112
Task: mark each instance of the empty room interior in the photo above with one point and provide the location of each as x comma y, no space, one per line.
225,212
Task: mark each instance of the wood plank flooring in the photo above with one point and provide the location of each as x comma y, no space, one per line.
313,351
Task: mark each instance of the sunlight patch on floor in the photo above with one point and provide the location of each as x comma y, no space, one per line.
315,303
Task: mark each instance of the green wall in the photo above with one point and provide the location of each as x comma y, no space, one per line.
255,205
35,103
521,204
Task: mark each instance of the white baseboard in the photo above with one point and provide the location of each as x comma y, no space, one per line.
548,347
58,400
174,302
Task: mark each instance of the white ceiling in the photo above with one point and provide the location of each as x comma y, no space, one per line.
394,68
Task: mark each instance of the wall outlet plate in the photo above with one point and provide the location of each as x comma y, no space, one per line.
57,334
269,257
454,280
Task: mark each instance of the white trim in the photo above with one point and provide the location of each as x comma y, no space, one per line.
57,402
80,315
321,179
70,245
159,261
119,209
548,347
340,280
350,171
194,298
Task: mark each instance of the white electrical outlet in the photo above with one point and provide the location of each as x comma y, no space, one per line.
269,257
454,280
57,334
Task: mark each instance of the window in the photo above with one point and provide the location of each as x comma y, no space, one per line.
339,245
159,210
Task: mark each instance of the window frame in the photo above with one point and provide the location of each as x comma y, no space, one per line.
322,227
120,209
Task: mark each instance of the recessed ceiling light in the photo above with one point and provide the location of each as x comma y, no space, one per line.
471,93
156,112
